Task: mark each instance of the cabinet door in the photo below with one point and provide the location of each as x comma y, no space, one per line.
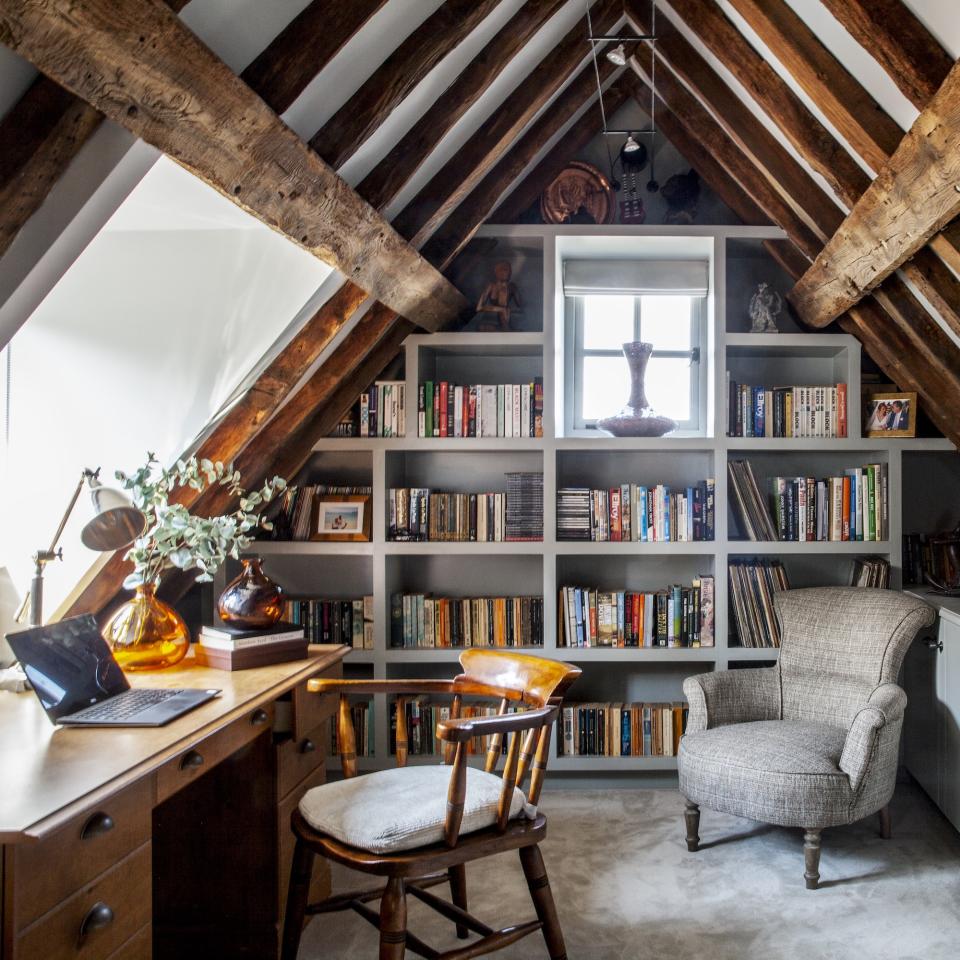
922,722
950,720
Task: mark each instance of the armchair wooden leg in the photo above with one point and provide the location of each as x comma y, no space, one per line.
692,817
297,894
886,824
393,920
458,892
811,858
536,874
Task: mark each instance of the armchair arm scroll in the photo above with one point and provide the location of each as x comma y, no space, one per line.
884,708
732,696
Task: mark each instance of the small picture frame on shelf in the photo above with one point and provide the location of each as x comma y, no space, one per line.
341,518
890,415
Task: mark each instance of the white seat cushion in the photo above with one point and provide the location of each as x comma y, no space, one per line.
403,808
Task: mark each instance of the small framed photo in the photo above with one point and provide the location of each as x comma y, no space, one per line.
890,415
345,518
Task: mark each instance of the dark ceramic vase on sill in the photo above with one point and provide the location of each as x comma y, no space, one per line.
252,601
637,418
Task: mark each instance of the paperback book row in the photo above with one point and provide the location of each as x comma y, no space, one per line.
294,519
480,409
676,617
349,622
817,412
383,410
637,513
419,514
621,729
419,620
927,558
423,715
362,714
753,583
853,506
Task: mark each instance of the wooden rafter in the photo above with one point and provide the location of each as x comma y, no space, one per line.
913,196
166,87
416,56
890,32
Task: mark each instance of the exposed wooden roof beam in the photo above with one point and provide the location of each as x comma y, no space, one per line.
396,168
899,42
913,196
341,136
167,87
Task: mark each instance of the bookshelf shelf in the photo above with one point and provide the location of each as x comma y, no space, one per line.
451,569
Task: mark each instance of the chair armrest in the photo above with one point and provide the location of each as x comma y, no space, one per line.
732,696
459,731
883,707
338,685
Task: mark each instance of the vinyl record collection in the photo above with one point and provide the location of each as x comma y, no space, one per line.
753,584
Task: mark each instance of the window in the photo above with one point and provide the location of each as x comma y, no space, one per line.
601,382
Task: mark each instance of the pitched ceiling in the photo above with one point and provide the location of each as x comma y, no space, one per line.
439,116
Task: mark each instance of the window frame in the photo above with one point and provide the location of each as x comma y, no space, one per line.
576,353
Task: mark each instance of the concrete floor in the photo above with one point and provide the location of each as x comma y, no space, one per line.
627,889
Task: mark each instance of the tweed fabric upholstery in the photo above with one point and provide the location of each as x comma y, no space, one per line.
814,741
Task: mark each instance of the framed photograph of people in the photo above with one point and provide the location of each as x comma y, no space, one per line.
341,518
890,415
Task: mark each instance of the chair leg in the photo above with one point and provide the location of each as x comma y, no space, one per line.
297,894
692,817
458,892
811,858
536,874
393,920
886,824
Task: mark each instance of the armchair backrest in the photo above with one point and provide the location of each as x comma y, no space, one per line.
838,644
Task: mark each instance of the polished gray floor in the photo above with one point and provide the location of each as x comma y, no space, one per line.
627,888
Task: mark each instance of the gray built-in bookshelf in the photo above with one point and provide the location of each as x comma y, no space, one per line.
381,568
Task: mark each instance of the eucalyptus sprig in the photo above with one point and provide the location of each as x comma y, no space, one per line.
173,537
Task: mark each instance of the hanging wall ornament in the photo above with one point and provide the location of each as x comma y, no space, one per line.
579,194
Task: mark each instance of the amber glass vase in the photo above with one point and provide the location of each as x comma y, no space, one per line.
252,601
146,633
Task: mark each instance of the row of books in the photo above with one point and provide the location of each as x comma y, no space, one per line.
786,411
637,513
420,620
363,727
417,513
850,507
676,617
349,622
383,410
929,557
753,584
422,717
480,409
621,729
295,517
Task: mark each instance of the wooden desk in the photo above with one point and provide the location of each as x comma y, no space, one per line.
159,842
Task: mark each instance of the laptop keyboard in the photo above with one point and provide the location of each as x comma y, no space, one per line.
125,705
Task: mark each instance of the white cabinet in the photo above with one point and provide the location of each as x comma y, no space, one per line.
932,723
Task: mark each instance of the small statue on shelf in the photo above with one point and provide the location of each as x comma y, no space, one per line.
765,307
500,298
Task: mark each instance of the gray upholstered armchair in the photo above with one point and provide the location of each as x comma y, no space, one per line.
813,741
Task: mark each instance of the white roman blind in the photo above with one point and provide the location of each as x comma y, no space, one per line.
688,278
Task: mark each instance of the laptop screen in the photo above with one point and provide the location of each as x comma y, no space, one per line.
68,664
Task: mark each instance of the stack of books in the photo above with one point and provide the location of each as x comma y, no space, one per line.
294,518
839,508
870,572
675,617
383,410
349,622
753,584
362,713
480,410
420,620
637,513
786,411
229,648
621,729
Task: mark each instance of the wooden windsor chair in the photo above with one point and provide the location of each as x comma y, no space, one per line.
419,826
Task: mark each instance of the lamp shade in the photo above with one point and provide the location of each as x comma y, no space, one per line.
116,522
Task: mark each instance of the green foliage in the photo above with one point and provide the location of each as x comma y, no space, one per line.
174,538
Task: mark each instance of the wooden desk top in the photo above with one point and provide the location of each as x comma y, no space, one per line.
48,773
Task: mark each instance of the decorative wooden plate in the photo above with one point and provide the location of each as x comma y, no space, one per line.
579,194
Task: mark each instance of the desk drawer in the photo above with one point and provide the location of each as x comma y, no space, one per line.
49,871
98,920
189,764
297,759
311,709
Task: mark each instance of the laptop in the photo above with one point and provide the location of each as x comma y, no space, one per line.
79,683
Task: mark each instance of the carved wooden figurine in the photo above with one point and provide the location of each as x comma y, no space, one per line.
500,298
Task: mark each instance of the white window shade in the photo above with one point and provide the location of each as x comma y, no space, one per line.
689,278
